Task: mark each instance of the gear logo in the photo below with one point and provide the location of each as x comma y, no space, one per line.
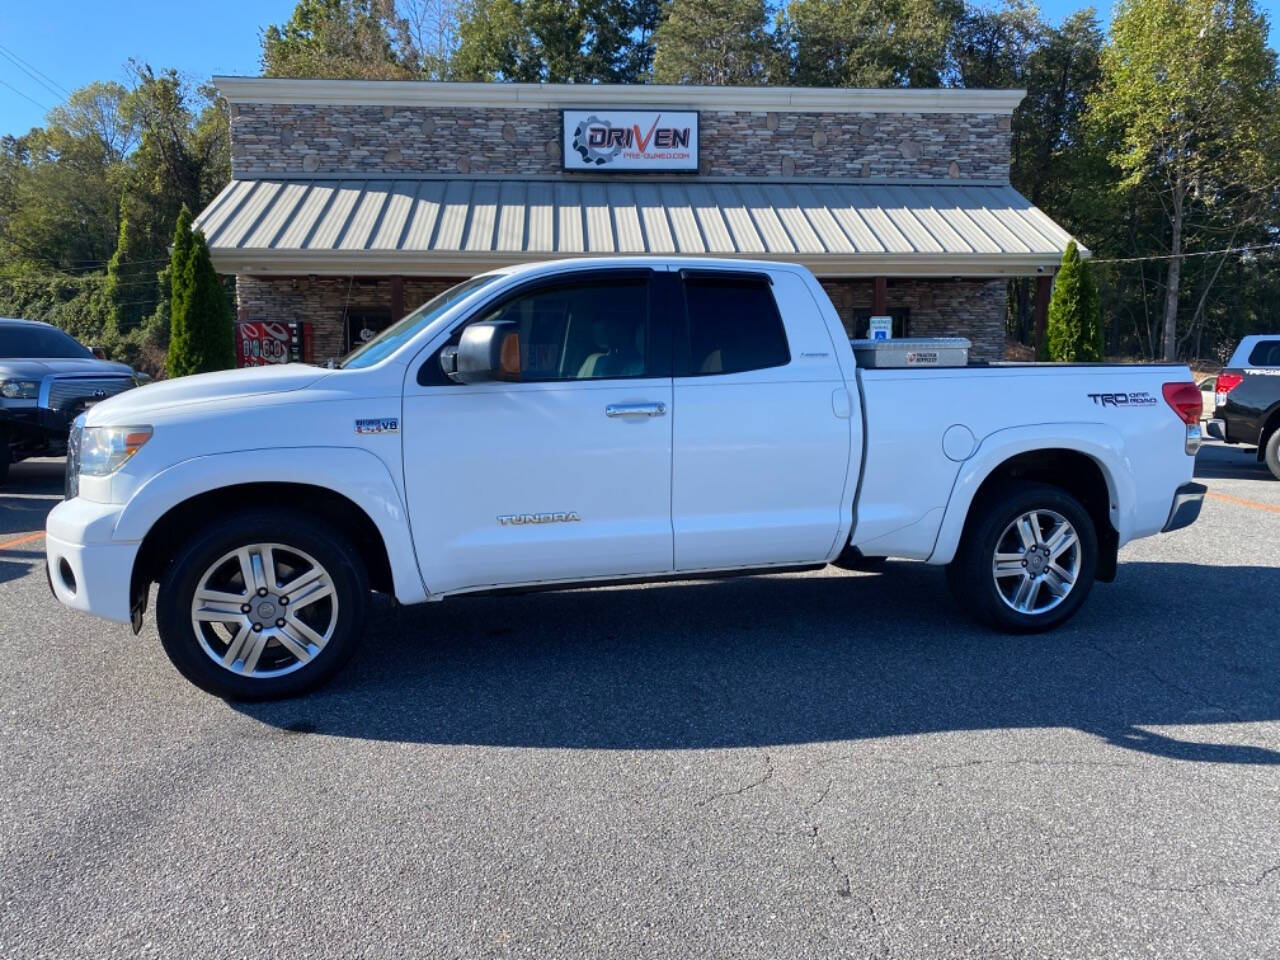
596,156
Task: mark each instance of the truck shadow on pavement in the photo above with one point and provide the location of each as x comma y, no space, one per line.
1219,461
32,490
799,659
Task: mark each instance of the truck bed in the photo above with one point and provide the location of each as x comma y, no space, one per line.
922,426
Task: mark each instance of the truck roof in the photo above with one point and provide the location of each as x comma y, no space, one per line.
675,260
1243,352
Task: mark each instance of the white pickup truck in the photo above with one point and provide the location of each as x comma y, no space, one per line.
594,421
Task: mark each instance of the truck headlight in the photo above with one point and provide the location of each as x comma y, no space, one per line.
104,450
19,389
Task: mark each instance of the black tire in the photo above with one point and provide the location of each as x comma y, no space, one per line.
970,574
292,530
5,457
1271,455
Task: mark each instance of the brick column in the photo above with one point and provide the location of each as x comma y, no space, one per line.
1044,285
397,298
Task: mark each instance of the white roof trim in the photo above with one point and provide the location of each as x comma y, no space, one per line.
260,263
545,96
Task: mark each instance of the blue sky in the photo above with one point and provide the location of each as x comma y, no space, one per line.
73,42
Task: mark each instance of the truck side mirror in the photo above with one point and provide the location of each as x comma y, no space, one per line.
98,352
487,351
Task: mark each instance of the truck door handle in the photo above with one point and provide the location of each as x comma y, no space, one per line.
635,410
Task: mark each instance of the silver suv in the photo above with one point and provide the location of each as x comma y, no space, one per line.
46,379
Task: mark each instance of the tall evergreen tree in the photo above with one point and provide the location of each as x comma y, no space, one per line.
354,39
870,43
209,322
182,341
130,284
715,42
1075,328
554,41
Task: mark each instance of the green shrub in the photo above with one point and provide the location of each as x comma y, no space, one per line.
1075,326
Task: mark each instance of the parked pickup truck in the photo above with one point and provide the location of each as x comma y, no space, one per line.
1247,407
46,378
594,421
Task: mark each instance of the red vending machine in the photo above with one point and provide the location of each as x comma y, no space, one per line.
260,342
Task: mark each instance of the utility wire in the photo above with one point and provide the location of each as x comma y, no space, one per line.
58,278
1198,253
23,63
24,96
17,63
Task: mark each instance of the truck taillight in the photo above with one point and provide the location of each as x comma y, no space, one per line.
1226,383
1185,400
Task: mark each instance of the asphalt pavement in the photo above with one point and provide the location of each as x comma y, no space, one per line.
818,765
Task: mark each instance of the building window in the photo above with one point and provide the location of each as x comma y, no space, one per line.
363,327
901,322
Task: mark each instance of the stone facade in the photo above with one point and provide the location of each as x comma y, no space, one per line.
298,139
939,308
325,303
284,139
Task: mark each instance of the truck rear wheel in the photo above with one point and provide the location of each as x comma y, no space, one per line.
262,605
1271,453
1027,559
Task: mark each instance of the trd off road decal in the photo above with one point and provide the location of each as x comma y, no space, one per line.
1137,399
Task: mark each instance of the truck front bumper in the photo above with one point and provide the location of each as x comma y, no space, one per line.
88,570
1187,501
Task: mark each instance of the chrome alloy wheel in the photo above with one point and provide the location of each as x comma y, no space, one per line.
1037,561
264,610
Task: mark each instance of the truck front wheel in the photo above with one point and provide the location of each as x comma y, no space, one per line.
1027,559
262,605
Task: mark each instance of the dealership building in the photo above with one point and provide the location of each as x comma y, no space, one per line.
351,201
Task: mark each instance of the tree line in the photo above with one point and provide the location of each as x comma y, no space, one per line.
1155,142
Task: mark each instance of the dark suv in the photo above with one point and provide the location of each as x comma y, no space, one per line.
1247,408
46,379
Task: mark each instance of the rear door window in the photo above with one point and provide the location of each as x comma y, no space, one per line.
1266,353
733,326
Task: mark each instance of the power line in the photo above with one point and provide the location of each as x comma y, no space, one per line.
87,265
24,96
59,278
14,60
21,62
1251,248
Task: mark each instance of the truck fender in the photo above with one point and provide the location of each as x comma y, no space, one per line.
358,475
1101,443
1270,423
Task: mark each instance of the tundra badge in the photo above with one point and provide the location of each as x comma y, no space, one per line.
508,519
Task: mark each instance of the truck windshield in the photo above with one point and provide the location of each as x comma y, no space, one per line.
38,343
392,338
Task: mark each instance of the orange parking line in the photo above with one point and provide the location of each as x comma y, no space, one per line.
21,540
1240,501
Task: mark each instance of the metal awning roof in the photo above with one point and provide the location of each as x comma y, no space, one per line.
455,226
